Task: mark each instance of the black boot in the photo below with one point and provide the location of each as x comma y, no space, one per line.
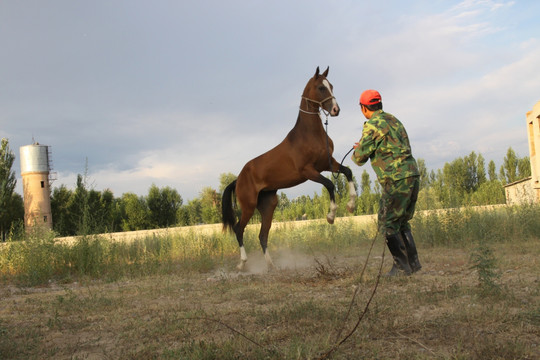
412,254
399,253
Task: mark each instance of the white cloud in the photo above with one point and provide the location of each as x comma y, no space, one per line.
175,110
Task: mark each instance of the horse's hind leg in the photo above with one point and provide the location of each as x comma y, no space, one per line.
266,205
247,212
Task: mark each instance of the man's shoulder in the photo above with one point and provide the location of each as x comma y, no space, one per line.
387,116
380,119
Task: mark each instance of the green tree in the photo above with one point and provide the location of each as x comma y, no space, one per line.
210,205
7,187
101,208
78,209
524,167
84,211
16,209
110,215
509,169
502,175
163,205
95,216
489,193
193,213
424,176
283,204
135,212
224,180
492,171
480,171
367,202
60,202
454,183
461,178
428,199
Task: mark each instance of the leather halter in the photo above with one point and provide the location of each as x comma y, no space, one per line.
319,103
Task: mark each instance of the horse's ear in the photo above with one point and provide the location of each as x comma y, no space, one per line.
325,73
317,73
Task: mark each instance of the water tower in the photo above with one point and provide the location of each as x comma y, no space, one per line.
35,172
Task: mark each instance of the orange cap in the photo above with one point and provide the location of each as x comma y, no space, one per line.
370,97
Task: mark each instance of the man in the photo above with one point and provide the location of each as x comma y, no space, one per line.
385,141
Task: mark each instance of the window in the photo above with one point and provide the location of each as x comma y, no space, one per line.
44,217
42,184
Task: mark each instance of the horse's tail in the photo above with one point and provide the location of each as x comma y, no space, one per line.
227,211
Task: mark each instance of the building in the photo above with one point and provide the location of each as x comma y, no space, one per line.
36,172
528,190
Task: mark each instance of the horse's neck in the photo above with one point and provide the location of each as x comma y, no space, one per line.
309,124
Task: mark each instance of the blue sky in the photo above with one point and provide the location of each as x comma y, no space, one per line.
174,93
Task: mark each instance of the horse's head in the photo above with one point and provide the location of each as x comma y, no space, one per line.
319,93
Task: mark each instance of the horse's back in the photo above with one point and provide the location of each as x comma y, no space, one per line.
272,170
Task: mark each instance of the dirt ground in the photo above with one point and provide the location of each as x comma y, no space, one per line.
299,311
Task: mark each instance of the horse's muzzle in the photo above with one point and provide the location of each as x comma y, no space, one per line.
335,110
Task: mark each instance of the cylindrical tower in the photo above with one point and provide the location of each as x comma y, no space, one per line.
35,167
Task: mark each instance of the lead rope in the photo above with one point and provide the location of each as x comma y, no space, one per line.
328,150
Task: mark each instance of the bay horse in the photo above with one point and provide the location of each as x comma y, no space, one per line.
305,152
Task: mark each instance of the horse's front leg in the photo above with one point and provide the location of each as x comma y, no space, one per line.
329,185
313,175
352,191
338,168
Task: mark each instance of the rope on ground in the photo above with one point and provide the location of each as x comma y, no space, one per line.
338,342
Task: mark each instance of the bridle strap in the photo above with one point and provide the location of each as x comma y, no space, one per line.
319,103
310,112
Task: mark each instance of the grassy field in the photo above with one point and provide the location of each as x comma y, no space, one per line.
477,296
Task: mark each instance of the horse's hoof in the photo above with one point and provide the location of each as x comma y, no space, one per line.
241,266
330,219
350,208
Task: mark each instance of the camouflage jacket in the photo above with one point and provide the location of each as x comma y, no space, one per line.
385,142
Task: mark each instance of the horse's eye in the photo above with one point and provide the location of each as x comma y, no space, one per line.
322,88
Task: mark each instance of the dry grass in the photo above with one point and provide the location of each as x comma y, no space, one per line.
294,313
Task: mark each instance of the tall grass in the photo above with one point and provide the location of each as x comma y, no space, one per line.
462,227
40,258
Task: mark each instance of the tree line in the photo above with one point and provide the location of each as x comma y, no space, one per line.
83,211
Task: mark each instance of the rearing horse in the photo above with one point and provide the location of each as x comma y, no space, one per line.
302,155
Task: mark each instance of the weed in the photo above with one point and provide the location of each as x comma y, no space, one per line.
328,270
484,262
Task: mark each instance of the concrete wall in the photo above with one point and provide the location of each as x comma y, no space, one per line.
522,192
364,220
